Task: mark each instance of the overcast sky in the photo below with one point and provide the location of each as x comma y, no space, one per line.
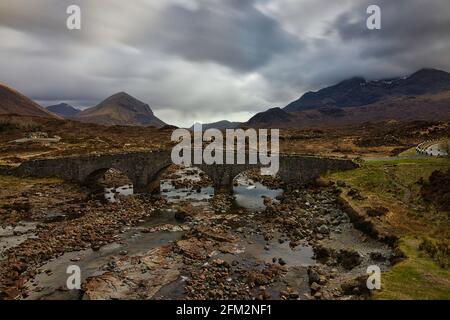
208,60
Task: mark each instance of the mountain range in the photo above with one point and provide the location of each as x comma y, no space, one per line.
119,109
424,95
357,91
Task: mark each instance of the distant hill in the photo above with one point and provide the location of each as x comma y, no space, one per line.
64,110
120,109
424,95
271,116
357,91
13,102
221,125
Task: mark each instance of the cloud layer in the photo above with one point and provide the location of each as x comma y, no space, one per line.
207,60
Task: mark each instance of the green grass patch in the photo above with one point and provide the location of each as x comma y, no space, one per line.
418,277
408,153
389,178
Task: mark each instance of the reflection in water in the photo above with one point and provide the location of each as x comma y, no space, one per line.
248,194
252,197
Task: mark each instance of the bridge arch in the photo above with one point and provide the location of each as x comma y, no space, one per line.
90,174
116,177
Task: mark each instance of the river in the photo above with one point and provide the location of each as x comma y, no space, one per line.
260,242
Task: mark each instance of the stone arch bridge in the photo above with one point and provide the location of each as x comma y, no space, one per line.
144,169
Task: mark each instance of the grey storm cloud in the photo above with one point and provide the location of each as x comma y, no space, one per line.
414,33
232,33
207,60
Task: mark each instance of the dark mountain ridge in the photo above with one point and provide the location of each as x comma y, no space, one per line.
356,92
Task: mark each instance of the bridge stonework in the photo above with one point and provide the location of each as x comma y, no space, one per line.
144,169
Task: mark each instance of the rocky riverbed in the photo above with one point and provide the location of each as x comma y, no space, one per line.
264,242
